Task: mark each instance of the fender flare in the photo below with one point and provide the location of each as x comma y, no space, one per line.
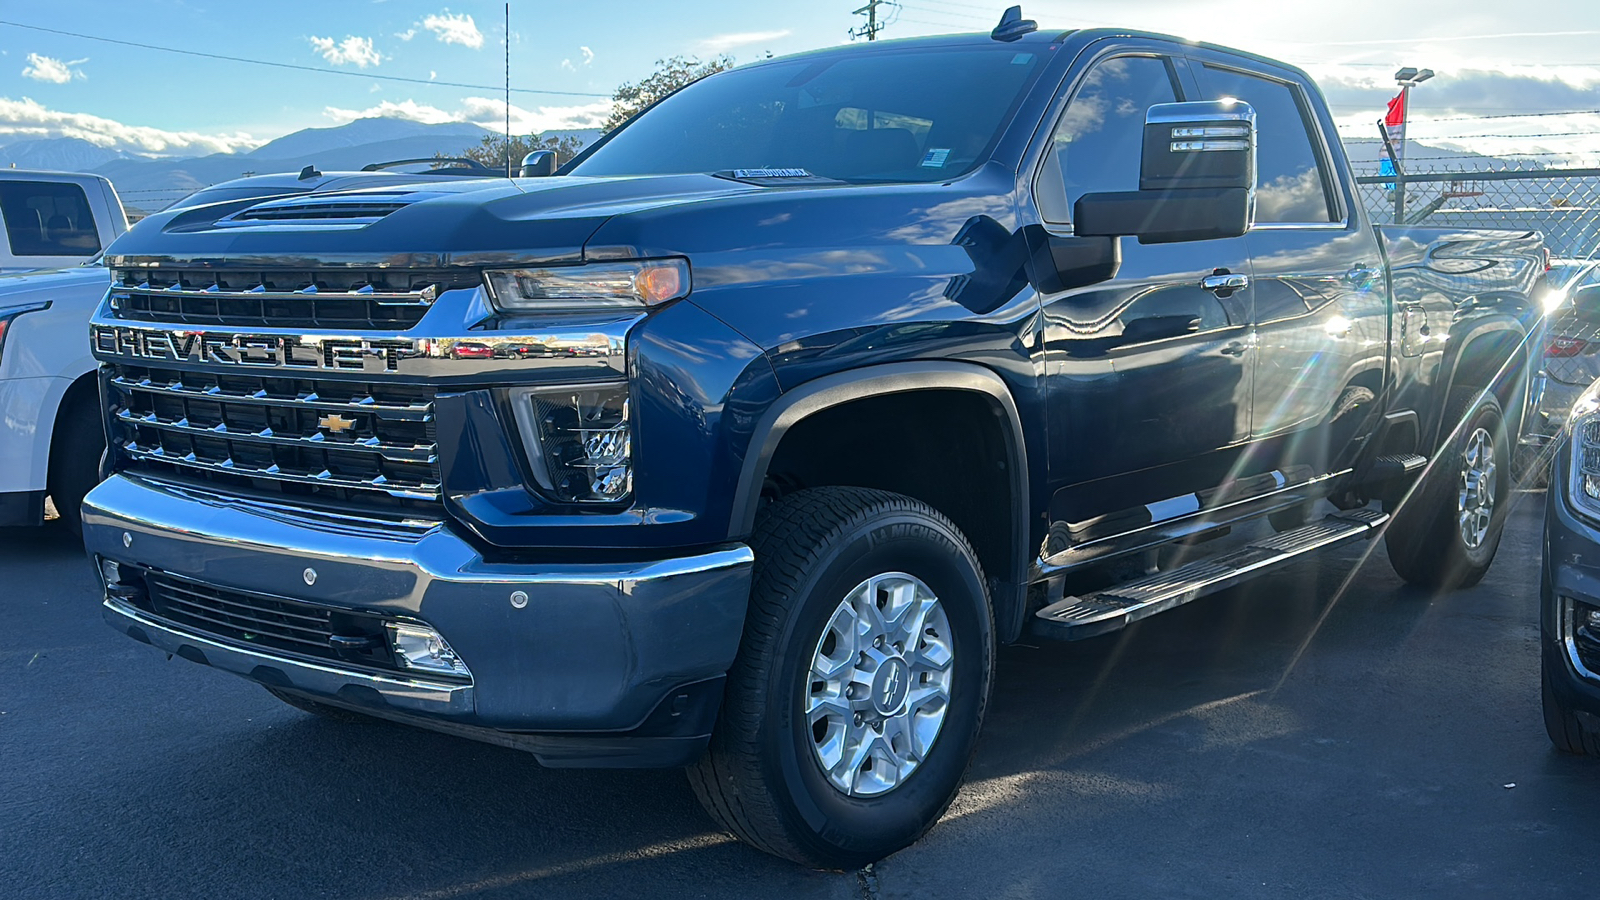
1489,329
812,397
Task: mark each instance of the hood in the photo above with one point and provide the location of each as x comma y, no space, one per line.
25,287
434,224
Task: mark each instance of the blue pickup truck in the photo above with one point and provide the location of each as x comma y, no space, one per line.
742,442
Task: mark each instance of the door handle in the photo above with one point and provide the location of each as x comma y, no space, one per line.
1223,280
1236,348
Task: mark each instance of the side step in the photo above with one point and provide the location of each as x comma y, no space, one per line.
1076,618
1387,468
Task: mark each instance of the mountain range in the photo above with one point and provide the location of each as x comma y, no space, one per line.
148,183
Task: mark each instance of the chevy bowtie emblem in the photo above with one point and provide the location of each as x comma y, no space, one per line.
335,423
891,685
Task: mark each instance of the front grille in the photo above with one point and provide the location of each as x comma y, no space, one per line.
345,442
264,621
323,299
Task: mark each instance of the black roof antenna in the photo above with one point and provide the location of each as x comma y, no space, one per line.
309,172
1013,26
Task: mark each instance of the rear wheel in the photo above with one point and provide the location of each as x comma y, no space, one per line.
853,709
1446,533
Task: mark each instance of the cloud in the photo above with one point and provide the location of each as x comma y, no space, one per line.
567,65
486,111
357,51
28,118
45,68
1474,109
406,35
722,43
588,55
454,28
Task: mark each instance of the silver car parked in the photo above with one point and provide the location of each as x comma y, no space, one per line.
1571,359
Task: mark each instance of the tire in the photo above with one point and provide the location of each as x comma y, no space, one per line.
1427,540
331,713
1566,731
818,553
75,450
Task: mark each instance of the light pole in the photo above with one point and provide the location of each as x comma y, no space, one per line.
1407,78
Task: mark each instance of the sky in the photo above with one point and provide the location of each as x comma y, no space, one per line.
1508,83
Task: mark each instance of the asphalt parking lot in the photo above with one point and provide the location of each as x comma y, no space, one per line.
1326,732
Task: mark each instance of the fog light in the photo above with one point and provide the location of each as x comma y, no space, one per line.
423,649
110,572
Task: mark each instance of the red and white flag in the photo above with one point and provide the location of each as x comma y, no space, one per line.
1395,121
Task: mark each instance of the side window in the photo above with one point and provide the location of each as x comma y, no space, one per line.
44,219
1290,181
1097,143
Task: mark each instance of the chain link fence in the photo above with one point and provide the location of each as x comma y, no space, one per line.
1564,204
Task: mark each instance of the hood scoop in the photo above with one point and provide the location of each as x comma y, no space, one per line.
333,209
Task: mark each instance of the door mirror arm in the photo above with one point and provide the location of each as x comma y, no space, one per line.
1058,263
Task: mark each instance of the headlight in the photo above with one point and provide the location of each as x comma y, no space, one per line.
1584,484
625,285
577,439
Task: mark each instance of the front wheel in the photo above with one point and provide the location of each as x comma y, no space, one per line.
1446,533
853,709
75,453
1568,733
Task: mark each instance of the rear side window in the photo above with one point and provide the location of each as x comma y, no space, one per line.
1291,185
1097,144
45,219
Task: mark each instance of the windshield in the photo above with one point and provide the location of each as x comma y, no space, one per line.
887,115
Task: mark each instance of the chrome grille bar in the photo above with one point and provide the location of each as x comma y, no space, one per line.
408,412
415,453
422,297
412,491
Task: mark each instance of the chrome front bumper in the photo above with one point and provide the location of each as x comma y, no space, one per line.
552,647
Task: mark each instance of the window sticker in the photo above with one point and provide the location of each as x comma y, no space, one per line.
935,157
1022,59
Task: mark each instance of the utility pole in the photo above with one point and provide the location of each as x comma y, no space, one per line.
508,88
874,25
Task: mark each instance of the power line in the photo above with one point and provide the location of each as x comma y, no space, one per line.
279,65
943,13
1526,115
1439,38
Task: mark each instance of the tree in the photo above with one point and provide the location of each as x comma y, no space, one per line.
491,151
670,74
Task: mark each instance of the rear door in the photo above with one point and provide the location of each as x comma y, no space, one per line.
1136,422
1321,308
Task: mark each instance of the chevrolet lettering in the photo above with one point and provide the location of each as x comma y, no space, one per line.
255,349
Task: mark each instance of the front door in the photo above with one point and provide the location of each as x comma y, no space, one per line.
1148,374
